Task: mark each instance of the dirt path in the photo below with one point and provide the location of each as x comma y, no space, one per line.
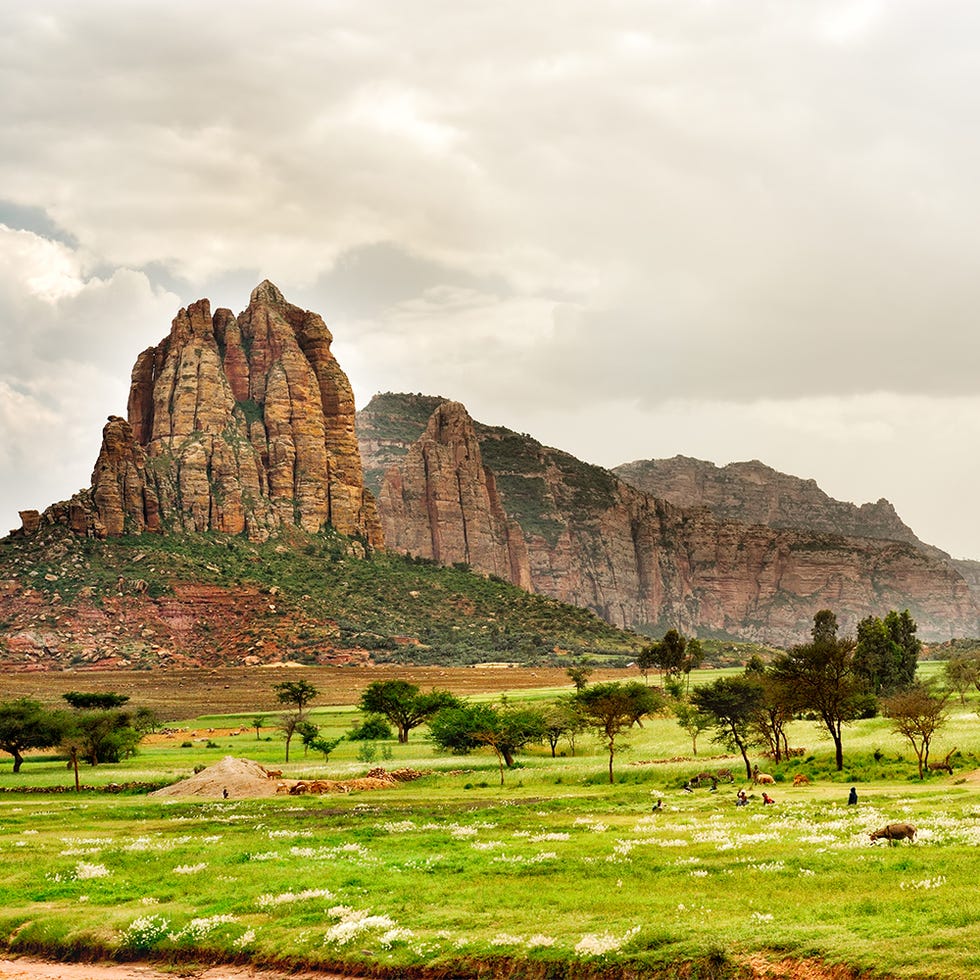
26,968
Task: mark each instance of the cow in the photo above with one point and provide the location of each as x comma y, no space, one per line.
801,779
762,778
893,832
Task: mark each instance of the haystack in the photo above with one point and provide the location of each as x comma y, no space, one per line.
240,778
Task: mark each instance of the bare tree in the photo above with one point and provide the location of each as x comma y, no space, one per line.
918,714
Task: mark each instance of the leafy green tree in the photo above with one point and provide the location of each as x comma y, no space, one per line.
693,658
289,725
774,711
887,652
693,721
312,739
146,721
24,725
462,727
918,713
666,655
613,707
561,720
258,723
298,693
100,736
97,700
374,728
961,672
579,676
733,703
403,704
822,678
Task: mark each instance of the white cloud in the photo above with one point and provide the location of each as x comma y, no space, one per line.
752,220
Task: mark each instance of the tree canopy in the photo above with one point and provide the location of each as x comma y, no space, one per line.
613,707
298,693
733,703
404,704
821,677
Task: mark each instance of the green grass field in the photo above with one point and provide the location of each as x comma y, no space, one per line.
557,873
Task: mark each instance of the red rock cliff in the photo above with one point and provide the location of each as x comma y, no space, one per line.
579,534
238,425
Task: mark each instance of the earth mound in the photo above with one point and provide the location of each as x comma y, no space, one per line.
231,777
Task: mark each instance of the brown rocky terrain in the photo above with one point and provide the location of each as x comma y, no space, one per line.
243,425
753,493
462,491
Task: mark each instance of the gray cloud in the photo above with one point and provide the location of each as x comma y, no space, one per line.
742,227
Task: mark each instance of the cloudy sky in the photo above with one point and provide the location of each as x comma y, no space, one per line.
731,230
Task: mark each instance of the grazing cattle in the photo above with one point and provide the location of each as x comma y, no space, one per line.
762,778
273,773
894,832
282,787
944,766
801,779
297,789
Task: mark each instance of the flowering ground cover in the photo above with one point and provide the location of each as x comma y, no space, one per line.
403,880
555,873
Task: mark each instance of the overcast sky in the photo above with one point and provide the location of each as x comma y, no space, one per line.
732,230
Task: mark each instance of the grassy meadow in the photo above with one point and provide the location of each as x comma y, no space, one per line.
555,873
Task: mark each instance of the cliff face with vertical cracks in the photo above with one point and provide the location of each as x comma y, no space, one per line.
238,425
578,533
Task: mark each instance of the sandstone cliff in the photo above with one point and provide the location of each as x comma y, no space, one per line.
243,425
580,534
754,493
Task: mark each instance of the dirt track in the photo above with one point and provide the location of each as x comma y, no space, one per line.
31,969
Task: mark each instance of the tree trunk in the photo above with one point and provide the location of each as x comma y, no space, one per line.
611,753
403,731
18,759
508,757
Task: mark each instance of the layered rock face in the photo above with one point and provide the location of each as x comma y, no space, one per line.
442,480
243,425
754,493
578,533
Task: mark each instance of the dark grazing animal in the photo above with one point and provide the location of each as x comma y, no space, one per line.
894,832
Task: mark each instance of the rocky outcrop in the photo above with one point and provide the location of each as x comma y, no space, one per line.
242,425
753,493
442,480
580,534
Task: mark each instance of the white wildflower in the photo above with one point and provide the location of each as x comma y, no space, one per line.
189,869
598,944
83,870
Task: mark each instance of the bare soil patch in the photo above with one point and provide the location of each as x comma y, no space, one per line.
28,968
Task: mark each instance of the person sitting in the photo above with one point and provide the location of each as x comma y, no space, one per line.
767,799
741,799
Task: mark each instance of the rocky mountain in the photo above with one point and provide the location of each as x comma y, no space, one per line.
453,488
243,425
754,493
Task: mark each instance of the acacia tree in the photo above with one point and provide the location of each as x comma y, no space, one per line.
561,720
961,672
289,725
733,703
693,721
298,693
579,676
403,704
26,724
613,708
917,714
462,727
822,678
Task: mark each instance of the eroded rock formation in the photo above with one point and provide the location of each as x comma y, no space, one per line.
579,534
237,425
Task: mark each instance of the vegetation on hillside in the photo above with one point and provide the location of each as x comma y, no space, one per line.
399,608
